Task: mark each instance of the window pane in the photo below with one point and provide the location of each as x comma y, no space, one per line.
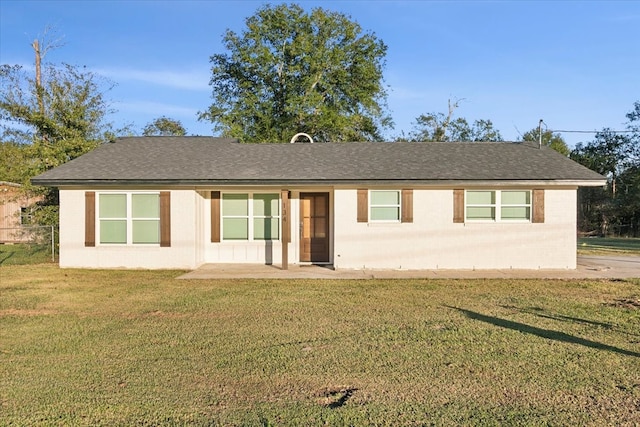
265,229
319,207
385,214
319,228
235,204
481,197
385,197
146,231
145,205
519,212
265,205
235,228
113,206
113,231
481,213
515,197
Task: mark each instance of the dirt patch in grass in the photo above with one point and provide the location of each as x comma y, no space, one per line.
632,303
21,312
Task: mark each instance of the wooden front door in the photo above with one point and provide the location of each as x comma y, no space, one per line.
314,227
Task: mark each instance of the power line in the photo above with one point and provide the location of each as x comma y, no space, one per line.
591,131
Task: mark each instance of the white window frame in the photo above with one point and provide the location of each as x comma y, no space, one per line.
250,217
498,207
129,218
398,206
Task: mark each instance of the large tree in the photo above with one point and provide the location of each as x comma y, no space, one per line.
549,139
292,71
47,119
616,155
164,126
441,127
60,119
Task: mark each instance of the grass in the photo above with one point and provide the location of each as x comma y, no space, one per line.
81,347
608,245
23,254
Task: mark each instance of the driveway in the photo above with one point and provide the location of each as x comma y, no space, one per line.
589,267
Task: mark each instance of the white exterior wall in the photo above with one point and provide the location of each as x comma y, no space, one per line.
433,241
251,252
181,255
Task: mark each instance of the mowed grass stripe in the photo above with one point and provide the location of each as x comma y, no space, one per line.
609,246
80,347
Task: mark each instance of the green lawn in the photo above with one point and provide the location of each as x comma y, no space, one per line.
141,348
608,245
22,254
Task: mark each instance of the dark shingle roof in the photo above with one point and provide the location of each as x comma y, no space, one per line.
207,160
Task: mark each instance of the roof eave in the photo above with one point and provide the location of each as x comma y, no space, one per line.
119,183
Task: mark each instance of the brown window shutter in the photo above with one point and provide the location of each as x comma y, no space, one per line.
90,218
165,219
215,216
363,205
538,206
458,206
407,205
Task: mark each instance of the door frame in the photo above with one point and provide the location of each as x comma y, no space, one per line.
328,227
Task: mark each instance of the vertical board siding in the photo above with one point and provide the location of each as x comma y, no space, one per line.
286,216
407,205
458,206
165,219
538,206
363,205
215,216
90,218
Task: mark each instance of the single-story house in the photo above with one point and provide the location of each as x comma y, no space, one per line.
180,202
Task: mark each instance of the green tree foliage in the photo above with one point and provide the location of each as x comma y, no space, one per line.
292,71
549,139
616,208
49,123
440,127
164,126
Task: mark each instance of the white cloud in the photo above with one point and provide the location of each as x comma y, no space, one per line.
189,80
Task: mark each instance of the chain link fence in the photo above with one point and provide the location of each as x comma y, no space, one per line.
28,244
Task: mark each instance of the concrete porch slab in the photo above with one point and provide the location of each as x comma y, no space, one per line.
589,267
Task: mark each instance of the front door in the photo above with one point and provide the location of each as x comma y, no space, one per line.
314,227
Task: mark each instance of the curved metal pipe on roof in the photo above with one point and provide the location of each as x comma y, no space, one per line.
295,137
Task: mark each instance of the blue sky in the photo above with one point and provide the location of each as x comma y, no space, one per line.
574,64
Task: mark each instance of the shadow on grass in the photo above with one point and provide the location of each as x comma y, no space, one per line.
544,333
337,397
539,312
4,256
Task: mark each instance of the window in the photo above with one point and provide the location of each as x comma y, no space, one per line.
516,205
385,205
489,205
250,216
481,205
25,216
129,218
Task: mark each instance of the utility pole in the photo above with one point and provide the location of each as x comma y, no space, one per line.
540,134
39,94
